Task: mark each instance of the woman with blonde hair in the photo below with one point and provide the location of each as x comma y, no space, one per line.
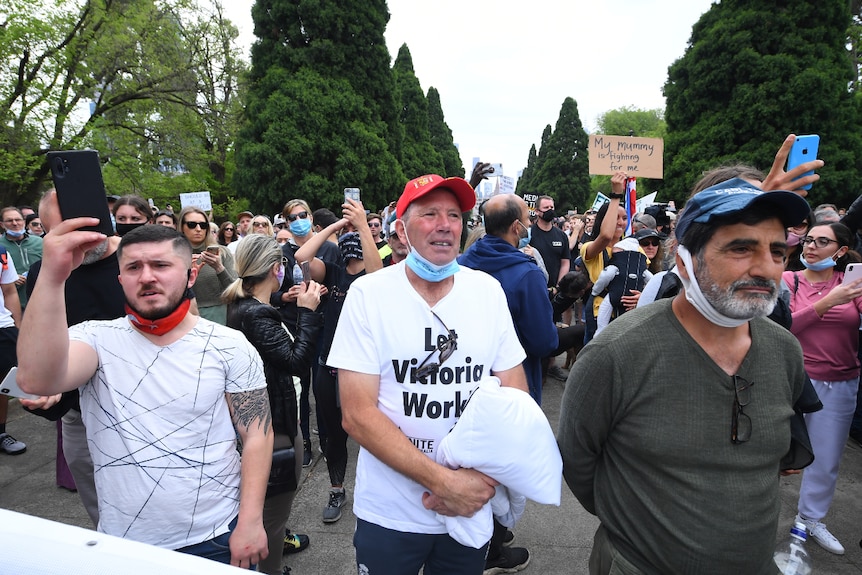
262,225
259,264
215,264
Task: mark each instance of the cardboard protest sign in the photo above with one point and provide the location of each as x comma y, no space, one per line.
639,157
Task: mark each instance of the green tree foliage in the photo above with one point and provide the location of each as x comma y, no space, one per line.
337,40
163,151
526,177
441,137
629,121
527,182
309,136
133,64
418,155
854,42
562,166
755,71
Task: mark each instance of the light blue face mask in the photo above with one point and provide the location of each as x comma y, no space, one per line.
15,234
525,241
823,264
300,227
426,270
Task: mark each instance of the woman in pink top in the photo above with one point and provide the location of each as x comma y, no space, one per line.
826,323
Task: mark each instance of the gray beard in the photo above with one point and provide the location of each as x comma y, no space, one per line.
95,254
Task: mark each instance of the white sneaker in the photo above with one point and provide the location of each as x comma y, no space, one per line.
822,536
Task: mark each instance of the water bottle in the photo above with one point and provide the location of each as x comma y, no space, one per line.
297,274
790,555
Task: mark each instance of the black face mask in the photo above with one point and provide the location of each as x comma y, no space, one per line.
123,229
548,215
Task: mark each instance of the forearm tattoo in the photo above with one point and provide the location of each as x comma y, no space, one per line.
251,408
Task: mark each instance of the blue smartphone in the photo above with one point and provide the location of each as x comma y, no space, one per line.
804,150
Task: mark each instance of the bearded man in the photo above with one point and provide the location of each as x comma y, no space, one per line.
163,394
675,417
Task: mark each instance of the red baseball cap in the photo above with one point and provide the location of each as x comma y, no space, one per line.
418,187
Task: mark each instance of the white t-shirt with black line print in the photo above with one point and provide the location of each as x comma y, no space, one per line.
159,429
424,409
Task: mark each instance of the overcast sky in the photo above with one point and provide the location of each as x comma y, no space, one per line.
504,69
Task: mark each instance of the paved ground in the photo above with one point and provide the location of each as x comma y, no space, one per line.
559,538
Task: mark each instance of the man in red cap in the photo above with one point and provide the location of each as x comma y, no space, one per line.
403,388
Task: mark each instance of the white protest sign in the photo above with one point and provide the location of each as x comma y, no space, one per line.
645,202
506,184
198,200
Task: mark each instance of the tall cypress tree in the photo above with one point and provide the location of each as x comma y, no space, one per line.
418,156
308,137
755,71
441,137
527,175
563,170
344,124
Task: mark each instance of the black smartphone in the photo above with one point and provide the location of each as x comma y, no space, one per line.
77,176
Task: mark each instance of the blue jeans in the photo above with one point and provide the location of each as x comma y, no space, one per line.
388,552
215,549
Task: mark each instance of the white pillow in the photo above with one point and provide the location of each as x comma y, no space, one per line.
504,434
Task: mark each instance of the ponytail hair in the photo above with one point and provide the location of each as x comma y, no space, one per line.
254,258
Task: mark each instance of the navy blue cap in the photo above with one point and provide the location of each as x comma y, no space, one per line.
733,196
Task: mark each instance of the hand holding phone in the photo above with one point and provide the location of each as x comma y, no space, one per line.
495,170
77,176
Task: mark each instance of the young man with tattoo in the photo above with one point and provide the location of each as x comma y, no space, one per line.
164,394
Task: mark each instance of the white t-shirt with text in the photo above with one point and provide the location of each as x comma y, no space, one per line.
424,410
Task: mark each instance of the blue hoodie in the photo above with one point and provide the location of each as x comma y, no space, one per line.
527,296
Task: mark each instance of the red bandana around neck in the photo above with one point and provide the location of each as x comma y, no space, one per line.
159,326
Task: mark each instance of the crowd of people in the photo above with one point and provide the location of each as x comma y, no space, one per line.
179,357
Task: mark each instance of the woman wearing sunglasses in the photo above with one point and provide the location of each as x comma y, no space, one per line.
215,264
359,256
826,322
300,220
226,233
260,266
652,245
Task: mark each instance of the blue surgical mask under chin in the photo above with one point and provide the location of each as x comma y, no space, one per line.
426,270
524,242
300,227
820,266
14,234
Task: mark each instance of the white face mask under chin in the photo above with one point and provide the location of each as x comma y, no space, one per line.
696,298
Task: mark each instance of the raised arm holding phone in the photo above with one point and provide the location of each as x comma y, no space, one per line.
173,377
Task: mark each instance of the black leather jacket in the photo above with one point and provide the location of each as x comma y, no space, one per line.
282,357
